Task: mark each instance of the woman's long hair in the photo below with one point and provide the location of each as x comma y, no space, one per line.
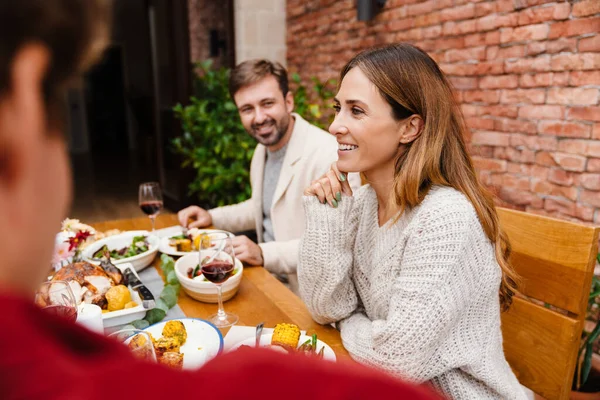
412,83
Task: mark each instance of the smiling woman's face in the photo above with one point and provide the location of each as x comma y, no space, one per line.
367,134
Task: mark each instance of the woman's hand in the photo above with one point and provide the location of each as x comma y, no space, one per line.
329,187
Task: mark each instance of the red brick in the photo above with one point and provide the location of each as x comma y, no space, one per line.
541,112
475,53
596,131
480,123
546,143
466,11
536,15
593,149
527,96
489,68
574,27
490,138
561,177
545,159
586,7
584,113
590,181
502,53
432,32
517,168
573,146
584,213
538,64
582,78
483,96
499,153
570,162
589,44
458,69
428,19
469,110
566,207
421,8
560,78
589,197
524,33
483,151
570,62
516,182
572,96
482,9
452,28
489,164
593,165
400,24
463,83
560,45
512,125
499,82
565,129
535,80
547,188
517,197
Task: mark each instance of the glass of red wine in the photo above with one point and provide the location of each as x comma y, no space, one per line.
56,297
151,201
217,261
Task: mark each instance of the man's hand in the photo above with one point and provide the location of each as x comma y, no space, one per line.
201,218
247,251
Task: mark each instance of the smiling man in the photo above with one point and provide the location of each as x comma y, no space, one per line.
291,153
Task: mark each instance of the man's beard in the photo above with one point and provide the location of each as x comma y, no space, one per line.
280,129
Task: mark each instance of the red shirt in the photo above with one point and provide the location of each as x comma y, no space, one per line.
45,357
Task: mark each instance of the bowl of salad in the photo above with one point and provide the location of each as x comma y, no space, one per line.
190,277
136,247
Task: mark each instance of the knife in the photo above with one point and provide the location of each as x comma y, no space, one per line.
134,282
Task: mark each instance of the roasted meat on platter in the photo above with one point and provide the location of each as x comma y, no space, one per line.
89,282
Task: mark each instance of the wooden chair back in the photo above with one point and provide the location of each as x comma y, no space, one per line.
555,260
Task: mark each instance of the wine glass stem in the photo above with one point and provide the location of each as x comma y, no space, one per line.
152,218
221,313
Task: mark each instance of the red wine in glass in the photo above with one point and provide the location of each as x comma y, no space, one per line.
69,313
151,207
217,271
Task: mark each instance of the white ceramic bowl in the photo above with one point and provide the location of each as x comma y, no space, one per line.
205,291
121,240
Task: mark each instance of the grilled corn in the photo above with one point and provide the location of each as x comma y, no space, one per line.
175,329
286,335
165,344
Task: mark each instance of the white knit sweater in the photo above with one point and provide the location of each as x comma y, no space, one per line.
418,298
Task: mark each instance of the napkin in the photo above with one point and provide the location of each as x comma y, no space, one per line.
239,333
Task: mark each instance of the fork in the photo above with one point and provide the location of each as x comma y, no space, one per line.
259,329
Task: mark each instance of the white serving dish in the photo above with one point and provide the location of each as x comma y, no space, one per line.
121,240
204,341
125,316
265,341
205,291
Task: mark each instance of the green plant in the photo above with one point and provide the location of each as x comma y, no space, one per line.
318,111
590,337
214,142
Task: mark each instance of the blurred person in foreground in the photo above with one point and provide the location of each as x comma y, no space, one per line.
412,267
290,154
44,45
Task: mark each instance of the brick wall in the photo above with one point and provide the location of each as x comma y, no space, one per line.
527,73
205,15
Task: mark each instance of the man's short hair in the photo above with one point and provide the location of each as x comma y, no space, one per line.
73,31
252,71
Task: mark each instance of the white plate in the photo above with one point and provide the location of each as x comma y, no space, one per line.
204,341
120,317
265,340
121,240
165,248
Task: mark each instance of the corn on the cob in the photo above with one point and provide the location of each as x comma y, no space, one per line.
286,335
175,329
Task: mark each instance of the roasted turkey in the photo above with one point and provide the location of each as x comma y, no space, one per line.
90,282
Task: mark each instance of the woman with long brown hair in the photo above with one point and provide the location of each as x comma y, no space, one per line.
413,266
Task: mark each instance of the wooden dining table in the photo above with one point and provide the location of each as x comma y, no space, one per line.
261,297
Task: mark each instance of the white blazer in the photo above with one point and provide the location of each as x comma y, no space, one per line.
309,155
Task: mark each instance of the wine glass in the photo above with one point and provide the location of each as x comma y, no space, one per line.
56,297
217,261
138,341
150,199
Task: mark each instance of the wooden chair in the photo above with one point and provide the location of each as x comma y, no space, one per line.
556,262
